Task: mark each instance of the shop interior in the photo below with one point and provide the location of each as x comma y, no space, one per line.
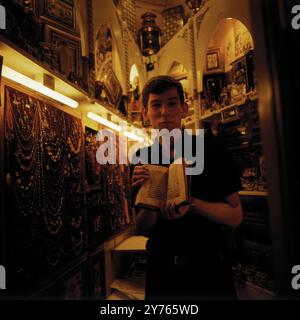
73,67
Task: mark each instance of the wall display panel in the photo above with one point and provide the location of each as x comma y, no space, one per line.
97,208
97,213
127,192
46,31
65,54
115,193
23,28
61,12
117,213
97,275
73,285
93,168
108,193
43,153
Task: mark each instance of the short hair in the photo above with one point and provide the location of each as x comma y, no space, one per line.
160,84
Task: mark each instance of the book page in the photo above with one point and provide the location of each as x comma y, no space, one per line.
177,186
153,192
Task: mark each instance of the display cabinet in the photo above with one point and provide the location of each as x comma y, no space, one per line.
230,113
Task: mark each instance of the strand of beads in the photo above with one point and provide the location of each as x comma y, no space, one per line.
53,161
74,183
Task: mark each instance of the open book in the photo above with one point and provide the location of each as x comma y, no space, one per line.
165,184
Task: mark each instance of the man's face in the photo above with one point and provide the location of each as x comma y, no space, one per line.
164,110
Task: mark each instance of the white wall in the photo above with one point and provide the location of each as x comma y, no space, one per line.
176,50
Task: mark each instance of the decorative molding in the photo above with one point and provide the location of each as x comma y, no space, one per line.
192,51
128,14
126,55
91,76
173,22
184,35
60,13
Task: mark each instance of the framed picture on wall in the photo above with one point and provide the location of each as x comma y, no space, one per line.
68,51
112,86
214,61
97,275
61,12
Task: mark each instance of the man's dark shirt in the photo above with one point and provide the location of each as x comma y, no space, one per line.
194,232
202,241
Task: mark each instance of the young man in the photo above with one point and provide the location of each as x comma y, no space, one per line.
187,252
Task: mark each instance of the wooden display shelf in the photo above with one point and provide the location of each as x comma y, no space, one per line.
21,61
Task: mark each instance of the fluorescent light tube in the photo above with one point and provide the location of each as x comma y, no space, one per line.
34,85
133,136
104,121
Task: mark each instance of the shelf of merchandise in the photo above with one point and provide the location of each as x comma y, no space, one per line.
250,95
22,62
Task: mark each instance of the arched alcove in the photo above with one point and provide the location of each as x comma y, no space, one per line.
228,72
207,21
108,46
